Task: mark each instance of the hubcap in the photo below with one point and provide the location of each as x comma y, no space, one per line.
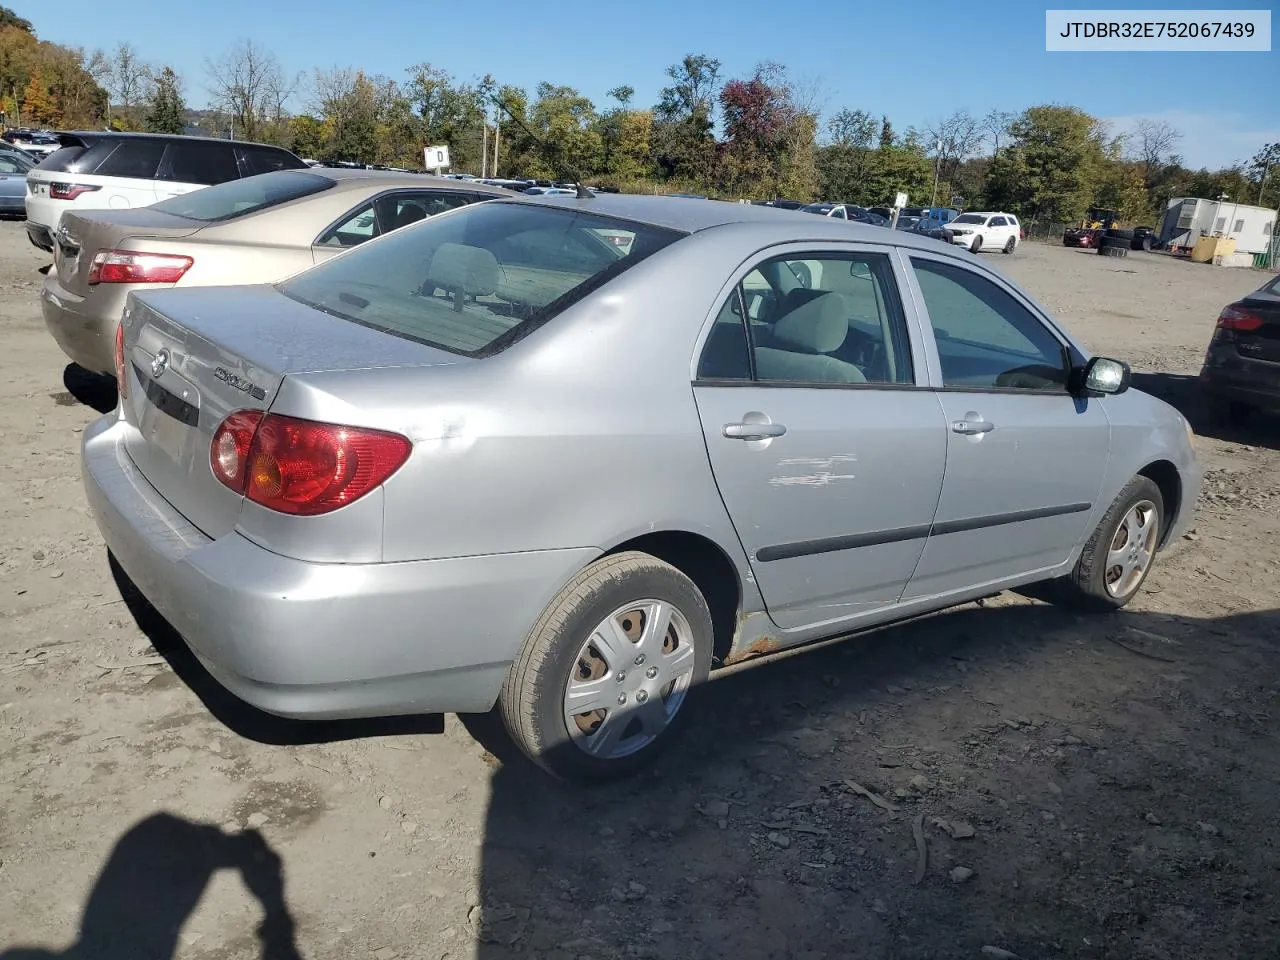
1132,547
629,680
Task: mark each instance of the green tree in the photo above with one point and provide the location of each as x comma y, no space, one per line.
565,121
886,132
348,101
10,19
167,110
306,135
683,142
1053,165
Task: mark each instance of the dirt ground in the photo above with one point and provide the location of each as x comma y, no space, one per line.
1085,787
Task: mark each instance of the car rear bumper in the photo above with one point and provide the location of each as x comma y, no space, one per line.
84,335
1255,382
321,641
40,235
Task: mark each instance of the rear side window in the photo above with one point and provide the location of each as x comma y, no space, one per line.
138,159
199,161
267,159
478,279
238,198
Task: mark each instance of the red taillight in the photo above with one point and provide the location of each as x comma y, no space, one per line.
1236,317
69,191
126,266
229,452
122,380
302,467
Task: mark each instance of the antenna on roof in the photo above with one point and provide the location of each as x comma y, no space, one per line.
553,154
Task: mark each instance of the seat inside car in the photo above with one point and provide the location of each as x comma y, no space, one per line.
799,343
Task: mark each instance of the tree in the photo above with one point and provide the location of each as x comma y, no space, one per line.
623,94
684,118
10,19
248,83
852,128
1260,170
566,122
1154,141
167,112
886,132
306,135
348,101
127,81
38,104
452,113
996,124
1051,169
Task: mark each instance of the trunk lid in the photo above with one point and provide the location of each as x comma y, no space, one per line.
1262,343
193,356
81,235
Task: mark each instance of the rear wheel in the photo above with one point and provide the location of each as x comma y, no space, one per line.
605,675
1118,555
976,245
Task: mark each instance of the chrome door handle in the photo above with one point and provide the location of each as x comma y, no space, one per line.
972,426
753,431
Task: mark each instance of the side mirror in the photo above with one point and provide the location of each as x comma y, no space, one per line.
1101,377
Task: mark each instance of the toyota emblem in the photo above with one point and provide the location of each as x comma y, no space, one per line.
159,363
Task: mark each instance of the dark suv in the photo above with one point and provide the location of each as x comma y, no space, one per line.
93,170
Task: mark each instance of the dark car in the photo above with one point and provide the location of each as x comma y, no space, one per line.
863,215
1241,372
930,226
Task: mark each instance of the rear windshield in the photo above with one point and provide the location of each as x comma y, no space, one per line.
238,198
60,161
478,279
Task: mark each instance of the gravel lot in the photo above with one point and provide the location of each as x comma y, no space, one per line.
1095,788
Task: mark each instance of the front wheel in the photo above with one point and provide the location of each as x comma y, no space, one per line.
1009,245
1118,555
976,245
605,675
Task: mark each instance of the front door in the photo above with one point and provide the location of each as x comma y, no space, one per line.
827,454
1025,459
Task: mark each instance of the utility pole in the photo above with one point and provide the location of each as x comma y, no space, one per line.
496,128
484,152
937,163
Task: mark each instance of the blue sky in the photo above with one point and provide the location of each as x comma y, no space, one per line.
883,57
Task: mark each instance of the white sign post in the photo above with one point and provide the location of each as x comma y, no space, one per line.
899,202
436,158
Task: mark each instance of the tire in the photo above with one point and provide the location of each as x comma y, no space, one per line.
1109,251
976,246
566,647
1086,587
1009,246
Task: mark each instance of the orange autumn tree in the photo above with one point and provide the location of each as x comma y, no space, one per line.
38,105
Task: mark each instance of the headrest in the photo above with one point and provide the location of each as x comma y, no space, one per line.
461,267
818,325
410,213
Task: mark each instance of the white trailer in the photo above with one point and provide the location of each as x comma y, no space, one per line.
1187,219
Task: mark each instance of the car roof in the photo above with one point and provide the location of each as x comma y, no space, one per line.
354,177
693,216
130,135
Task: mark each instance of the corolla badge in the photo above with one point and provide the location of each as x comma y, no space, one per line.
239,383
159,363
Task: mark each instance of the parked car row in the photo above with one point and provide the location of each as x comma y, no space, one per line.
977,231
364,454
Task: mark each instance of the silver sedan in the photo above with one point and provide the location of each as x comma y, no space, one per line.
500,458
252,230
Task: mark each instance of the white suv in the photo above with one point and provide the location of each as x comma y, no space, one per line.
986,231
119,170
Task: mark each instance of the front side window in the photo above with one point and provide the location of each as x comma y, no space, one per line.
986,339
199,161
825,319
238,198
477,280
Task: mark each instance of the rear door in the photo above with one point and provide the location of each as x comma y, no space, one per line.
1025,459
826,444
127,174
